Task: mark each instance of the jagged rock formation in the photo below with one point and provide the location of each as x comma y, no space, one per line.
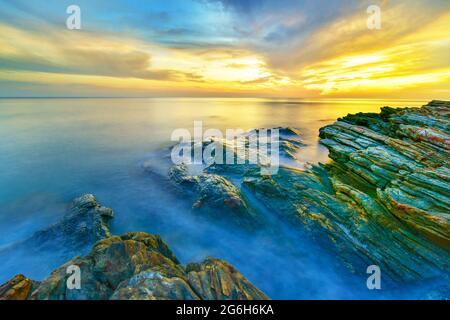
137,266
215,196
406,161
85,223
212,193
384,199
18,288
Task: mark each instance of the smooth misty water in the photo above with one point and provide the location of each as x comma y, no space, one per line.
53,150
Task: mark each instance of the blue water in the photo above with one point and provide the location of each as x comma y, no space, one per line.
53,150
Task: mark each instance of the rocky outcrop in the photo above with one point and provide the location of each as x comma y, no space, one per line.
405,162
210,187
215,196
18,288
215,279
383,199
85,223
137,266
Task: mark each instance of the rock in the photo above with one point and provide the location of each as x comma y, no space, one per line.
215,279
18,288
349,221
96,218
384,199
215,196
82,225
406,163
141,266
211,186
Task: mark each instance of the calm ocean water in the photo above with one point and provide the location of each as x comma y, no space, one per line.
53,150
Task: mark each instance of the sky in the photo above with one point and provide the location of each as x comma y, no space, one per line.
226,48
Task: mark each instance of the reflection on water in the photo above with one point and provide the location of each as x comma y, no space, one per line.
53,150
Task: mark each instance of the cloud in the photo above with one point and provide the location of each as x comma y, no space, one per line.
81,54
285,47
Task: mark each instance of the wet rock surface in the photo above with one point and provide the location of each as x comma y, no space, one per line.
384,198
137,266
214,196
84,223
405,162
213,188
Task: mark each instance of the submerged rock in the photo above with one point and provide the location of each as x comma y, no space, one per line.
140,266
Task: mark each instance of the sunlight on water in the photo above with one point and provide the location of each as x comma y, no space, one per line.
53,150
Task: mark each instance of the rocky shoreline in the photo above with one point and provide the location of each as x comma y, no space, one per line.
383,199
134,266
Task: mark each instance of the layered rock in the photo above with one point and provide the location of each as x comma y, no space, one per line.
383,199
18,288
406,162
138,266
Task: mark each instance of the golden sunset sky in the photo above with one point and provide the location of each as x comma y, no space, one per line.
291,49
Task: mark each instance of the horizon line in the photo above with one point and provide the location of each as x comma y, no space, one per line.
218,97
